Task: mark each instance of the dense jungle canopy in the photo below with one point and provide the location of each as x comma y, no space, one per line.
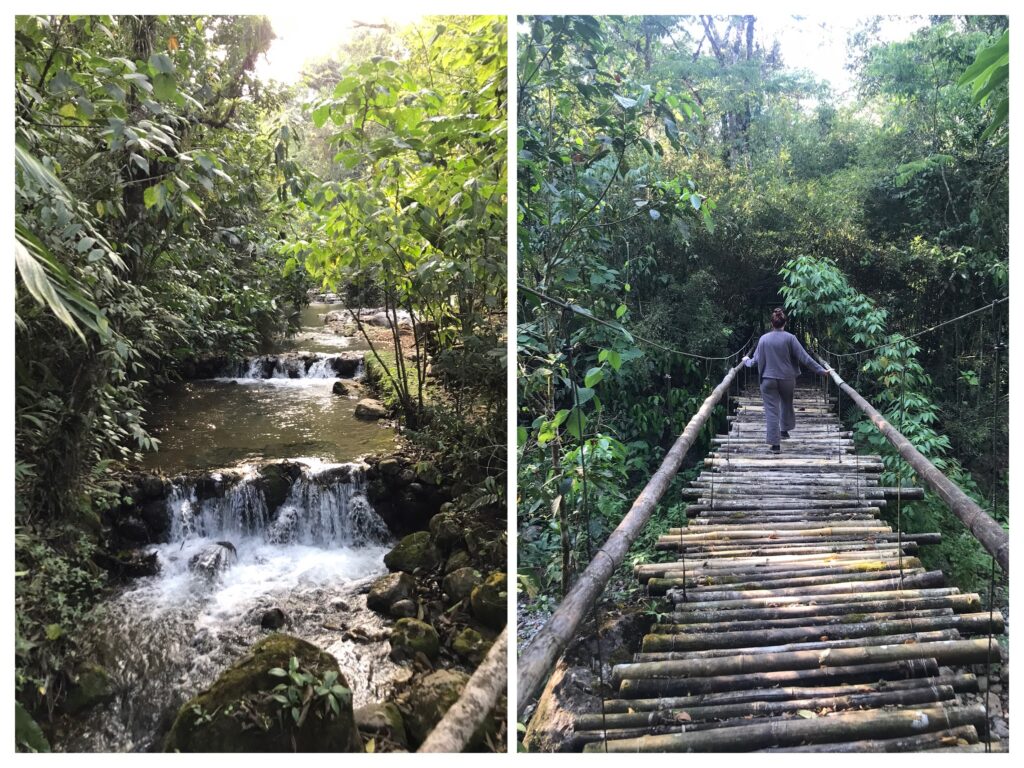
678,179
172,207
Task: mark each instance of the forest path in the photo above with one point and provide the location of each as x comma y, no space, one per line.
796,618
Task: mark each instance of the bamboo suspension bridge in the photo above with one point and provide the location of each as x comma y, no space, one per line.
795,618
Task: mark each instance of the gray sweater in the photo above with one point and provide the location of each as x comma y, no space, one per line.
779,356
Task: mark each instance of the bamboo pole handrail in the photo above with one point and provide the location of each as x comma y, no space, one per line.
981,525
543,651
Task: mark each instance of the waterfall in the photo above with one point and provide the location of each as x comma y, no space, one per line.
326,507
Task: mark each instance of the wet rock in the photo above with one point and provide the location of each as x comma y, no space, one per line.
130,564
416,552
275,482
275,618
370,410
390,589
458,559
346,364
134,530
489,601
460,584
471,645
389,468
382,721
410,637
156,518
404,609
429,698
213,559
147,487
341,388
91,687
406,476
244,688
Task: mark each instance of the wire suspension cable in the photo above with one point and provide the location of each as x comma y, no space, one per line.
992,571
587,314
904,338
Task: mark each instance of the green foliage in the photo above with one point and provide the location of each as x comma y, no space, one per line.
303,692
989,72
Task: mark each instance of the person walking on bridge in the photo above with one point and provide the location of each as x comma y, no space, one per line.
778,357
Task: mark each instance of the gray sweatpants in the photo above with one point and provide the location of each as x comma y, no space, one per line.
779,415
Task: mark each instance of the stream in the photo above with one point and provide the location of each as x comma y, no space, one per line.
266,510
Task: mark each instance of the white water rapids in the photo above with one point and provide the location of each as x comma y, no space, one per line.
169,636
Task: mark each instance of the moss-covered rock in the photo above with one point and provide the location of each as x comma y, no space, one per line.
447,530
459,585
415,552
411,636
489,601
390,589
471,645
458,559
382,721
425,703
92,686
237,714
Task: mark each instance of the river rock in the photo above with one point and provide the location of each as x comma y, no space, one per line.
370,410
275,618
460,584
411,636
404,609
390,589
490,599
389,468
429,698
134,530
471,645
238,715
458,559
448,531
129,564
156,518
415,552
382,721
341,388
275,482
91,687
213,559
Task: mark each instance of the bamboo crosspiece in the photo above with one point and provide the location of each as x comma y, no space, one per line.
798,619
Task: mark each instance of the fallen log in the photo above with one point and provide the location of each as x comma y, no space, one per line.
922,741
961,603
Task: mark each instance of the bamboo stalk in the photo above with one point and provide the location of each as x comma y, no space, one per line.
696,586
958,602
704,577
971,623
672,717
856,673
960,683
772,602
986,530
791,732
949,652
795,621
918,742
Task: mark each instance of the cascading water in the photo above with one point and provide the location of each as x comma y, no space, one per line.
229,559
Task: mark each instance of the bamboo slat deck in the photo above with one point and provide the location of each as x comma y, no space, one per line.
797,619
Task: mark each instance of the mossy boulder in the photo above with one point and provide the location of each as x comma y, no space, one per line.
489,601
411,636
460,584
458,559
390,589
92,687
276,483
415,552
447,530
471,645
237,714
382,721
429,698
